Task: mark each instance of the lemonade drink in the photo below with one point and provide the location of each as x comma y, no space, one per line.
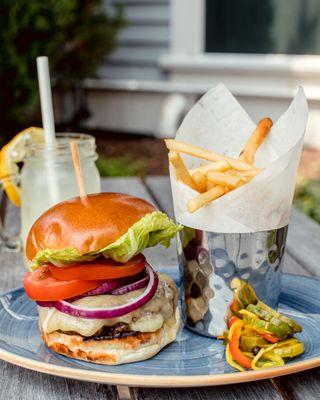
45,183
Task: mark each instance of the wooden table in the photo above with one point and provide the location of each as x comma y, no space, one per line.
303,257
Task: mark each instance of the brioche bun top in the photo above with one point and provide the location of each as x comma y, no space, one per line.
86,225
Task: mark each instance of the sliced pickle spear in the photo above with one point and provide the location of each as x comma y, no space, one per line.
291,322
282,331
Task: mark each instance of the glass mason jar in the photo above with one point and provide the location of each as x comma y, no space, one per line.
48,177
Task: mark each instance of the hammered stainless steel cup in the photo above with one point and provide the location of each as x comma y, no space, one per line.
209,261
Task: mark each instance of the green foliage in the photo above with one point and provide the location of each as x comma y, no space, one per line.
307,197
120,166
74,34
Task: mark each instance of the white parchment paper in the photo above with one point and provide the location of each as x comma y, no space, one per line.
219,123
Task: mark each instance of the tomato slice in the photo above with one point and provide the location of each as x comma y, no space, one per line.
99,269
40,285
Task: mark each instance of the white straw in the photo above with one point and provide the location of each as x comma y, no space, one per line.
48,125
46,99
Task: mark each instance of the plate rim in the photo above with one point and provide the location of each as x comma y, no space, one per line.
157,380
134,380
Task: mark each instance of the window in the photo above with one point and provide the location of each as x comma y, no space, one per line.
263,26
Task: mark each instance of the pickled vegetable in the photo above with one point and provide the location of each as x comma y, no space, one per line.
291,322
258,336
290,351
247,343
281,331
244,292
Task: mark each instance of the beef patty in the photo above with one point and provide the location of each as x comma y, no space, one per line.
117,331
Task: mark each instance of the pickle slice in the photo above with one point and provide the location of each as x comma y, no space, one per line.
281,331
291,322
270,317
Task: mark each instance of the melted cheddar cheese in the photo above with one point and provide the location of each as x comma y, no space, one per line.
148,318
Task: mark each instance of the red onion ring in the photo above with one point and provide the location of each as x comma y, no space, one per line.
141,283
105,287
113,284
113,312
46,303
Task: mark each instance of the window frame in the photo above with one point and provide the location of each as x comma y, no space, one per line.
187,57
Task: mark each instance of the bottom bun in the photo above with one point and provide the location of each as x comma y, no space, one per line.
125,350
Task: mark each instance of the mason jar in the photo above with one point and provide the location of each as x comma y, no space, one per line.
48,177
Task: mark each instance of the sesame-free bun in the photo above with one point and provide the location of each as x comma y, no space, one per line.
114,351
86,225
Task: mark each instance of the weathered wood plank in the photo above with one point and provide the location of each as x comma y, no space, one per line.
159,187
303,241
256,390
11,262
132,185
18,384
302,386
291,266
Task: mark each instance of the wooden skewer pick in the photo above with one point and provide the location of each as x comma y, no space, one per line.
78,170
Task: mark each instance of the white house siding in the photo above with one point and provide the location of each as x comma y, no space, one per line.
141,43
160,68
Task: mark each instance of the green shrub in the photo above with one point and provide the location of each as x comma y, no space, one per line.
307,197
120,166
74,34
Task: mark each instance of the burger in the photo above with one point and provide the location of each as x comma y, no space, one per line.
98,298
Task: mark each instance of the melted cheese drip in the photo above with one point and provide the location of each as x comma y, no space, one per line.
148,318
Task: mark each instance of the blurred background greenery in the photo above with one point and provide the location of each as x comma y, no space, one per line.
121,166
75,35
307,197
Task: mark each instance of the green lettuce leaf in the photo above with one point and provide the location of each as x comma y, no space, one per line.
64,257
149,231
154,228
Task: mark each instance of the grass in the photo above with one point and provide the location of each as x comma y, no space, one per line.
120,166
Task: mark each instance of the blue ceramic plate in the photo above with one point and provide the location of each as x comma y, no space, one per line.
191,360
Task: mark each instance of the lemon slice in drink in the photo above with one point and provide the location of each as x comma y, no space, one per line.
13,153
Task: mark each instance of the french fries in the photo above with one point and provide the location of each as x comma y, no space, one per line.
215,166
223,173
223,179
244,174
210,185
200,152
205,198
255,141
182,173
200,181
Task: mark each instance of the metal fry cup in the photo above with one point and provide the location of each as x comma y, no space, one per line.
209,261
